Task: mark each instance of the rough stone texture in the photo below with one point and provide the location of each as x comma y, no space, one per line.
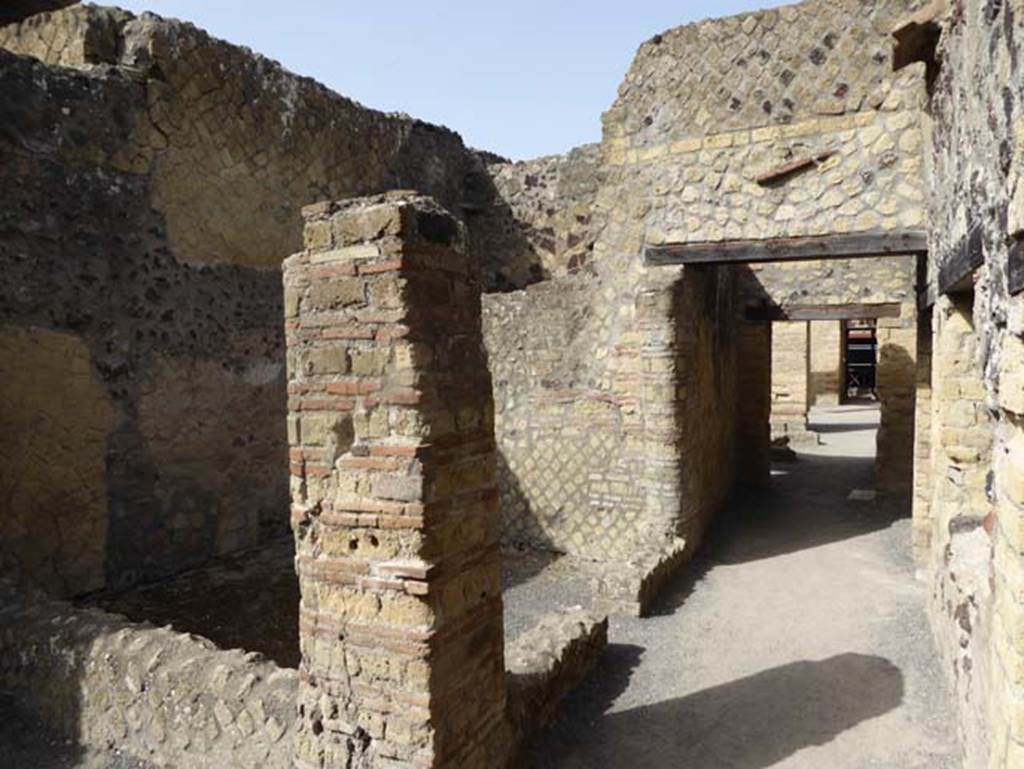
185,364
895,382
128,196
976,152
395,502
541,223
571,455
170,699
549,661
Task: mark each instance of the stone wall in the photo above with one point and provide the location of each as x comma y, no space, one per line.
827,373
540,224
173,700
146,205
976,152
791,379
880,285
394,495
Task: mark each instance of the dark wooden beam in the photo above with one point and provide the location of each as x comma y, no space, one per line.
824,312
791,168
859,245
957,267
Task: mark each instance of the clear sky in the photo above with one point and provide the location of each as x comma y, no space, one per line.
522,78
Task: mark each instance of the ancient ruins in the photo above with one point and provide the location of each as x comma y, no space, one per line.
303,404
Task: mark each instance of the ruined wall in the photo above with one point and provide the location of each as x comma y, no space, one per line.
170,699
680,163
754,404
146,205
540,223
570,457
976,143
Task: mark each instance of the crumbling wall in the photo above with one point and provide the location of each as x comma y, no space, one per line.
541,223
977,440
148,193
565,467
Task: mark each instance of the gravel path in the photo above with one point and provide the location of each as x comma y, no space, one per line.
796,639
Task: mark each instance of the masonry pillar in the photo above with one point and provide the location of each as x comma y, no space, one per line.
924,479
896,384
754,391
826,362
390,421
791,376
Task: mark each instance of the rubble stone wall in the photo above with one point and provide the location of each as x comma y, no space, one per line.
394,493
169,699
707,109
152,179
541,222
976,154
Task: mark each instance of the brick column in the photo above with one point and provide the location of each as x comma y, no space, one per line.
394,499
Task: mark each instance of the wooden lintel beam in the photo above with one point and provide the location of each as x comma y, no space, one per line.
853,246
824,312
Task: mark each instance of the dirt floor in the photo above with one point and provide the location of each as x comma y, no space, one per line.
261,586
796,639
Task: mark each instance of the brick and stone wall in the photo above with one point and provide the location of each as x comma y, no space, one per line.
976,441
103,683
394,495
142,287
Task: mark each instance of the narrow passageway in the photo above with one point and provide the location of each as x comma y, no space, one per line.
797,638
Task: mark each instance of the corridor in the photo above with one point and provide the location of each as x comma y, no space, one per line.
797,638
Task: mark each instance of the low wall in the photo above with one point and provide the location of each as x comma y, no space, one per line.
170,699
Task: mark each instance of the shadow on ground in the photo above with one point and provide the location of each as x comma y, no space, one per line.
750,723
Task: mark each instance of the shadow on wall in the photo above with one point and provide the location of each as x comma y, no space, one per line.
524,519
750,723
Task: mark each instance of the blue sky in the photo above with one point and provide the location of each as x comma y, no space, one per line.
522,78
